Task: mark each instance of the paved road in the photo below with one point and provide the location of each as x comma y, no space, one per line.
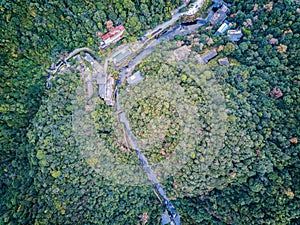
173,215
179,30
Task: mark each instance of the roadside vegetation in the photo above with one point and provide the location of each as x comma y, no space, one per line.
261,88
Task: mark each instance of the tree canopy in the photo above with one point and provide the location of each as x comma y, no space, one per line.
224,140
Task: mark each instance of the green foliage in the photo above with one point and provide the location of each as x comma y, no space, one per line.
33,35
266,192
71,190
241,168
148,109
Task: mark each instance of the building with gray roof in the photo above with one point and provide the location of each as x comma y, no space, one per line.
108,98
101,90
89,58
223,28
135,78
208,56
223,61
220,15
120,56
235,35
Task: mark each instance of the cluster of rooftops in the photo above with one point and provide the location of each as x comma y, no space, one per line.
219,16
234,35
106,82
183,52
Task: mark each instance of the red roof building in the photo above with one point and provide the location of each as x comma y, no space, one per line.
113,36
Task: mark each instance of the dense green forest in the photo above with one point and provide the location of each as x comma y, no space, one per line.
34,34
267,57
241,164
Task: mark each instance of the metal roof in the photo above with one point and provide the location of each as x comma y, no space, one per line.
135,78
208,56
235,35
223,28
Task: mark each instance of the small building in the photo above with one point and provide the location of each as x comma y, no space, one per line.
220,15
101,82
120,56
101,90
89,58
208,56
108,98
223,61
223,28
234,35
135,78
112,36
165,218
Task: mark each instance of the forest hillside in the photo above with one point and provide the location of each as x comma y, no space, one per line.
241,158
